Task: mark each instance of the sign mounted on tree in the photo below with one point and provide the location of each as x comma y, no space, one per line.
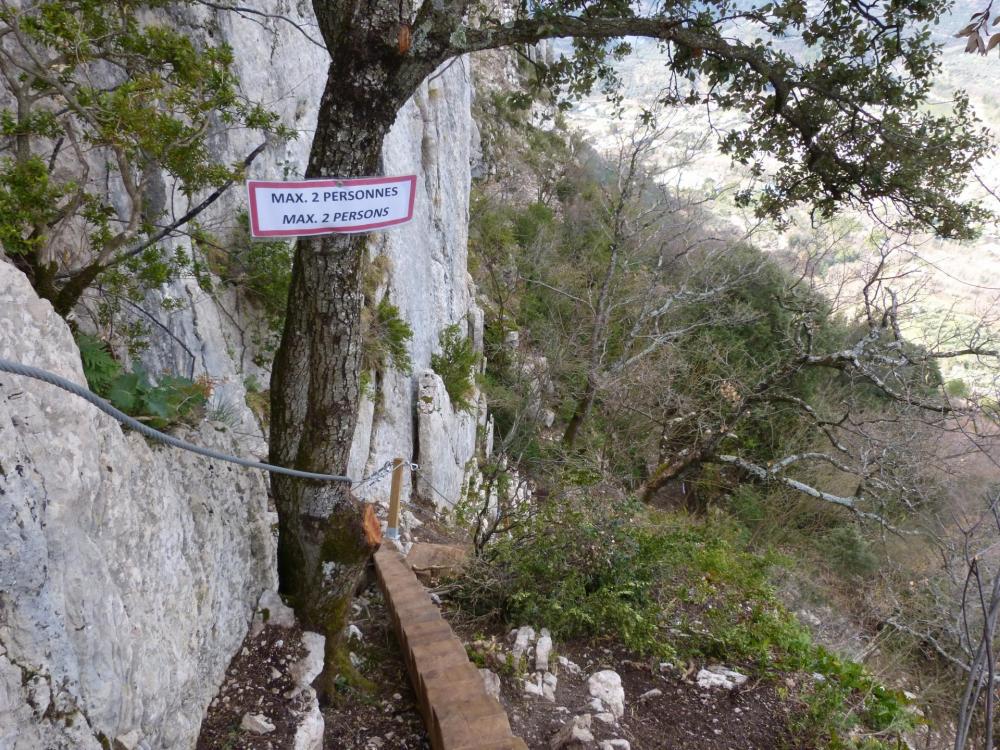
308,207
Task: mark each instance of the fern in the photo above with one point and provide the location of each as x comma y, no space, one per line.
172,400
99,367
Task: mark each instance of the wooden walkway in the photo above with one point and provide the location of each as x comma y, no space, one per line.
458,712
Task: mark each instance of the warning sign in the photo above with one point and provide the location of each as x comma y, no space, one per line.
295,209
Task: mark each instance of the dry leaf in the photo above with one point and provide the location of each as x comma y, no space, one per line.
967,30
973,43
994,41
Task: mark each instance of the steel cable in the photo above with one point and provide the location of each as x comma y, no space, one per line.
67,385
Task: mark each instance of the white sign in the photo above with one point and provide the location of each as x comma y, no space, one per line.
296,209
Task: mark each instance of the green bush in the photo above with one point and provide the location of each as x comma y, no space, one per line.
455,365
577,571
386,336
674,587
849,553
172,400
957,388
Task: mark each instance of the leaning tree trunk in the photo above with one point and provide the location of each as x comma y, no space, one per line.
322,550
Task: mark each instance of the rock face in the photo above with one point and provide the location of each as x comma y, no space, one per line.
428,280
128,572
425,261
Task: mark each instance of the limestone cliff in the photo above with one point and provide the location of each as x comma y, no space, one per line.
129,572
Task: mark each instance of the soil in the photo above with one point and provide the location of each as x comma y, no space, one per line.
385,715
753,717
256,682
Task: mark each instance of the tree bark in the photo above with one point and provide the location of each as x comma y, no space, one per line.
322,549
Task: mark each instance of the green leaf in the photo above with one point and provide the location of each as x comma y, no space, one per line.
122,392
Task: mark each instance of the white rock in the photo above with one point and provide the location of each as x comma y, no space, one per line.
353,631
542,650
309,734
271,611
491,681
356,661
524,638
130,572
549,682
129,740
429,281
606,718
569,666
654,693
574,735
256,723
721,678
606,686
308,668
38,693
533,685
615,745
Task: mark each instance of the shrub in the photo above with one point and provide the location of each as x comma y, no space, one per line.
385,338
957,388
579,572
849,553
455,366
670,586
170,401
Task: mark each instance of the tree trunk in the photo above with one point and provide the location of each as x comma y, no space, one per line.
322,550
580,413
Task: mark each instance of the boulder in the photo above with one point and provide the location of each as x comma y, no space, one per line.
256,724
606,686
542,650
430,561
719,678
491,681
574,735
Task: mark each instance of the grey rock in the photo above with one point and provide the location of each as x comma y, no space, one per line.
272,611
549,682
542,650
130,570
524,638
569,666
615,745
309,734
308,668
574,735
654,693
491,681
606,686
720,678
128,741
433,137
256,724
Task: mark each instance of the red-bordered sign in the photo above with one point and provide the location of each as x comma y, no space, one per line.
308,207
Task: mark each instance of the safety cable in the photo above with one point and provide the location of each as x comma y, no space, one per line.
67,385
